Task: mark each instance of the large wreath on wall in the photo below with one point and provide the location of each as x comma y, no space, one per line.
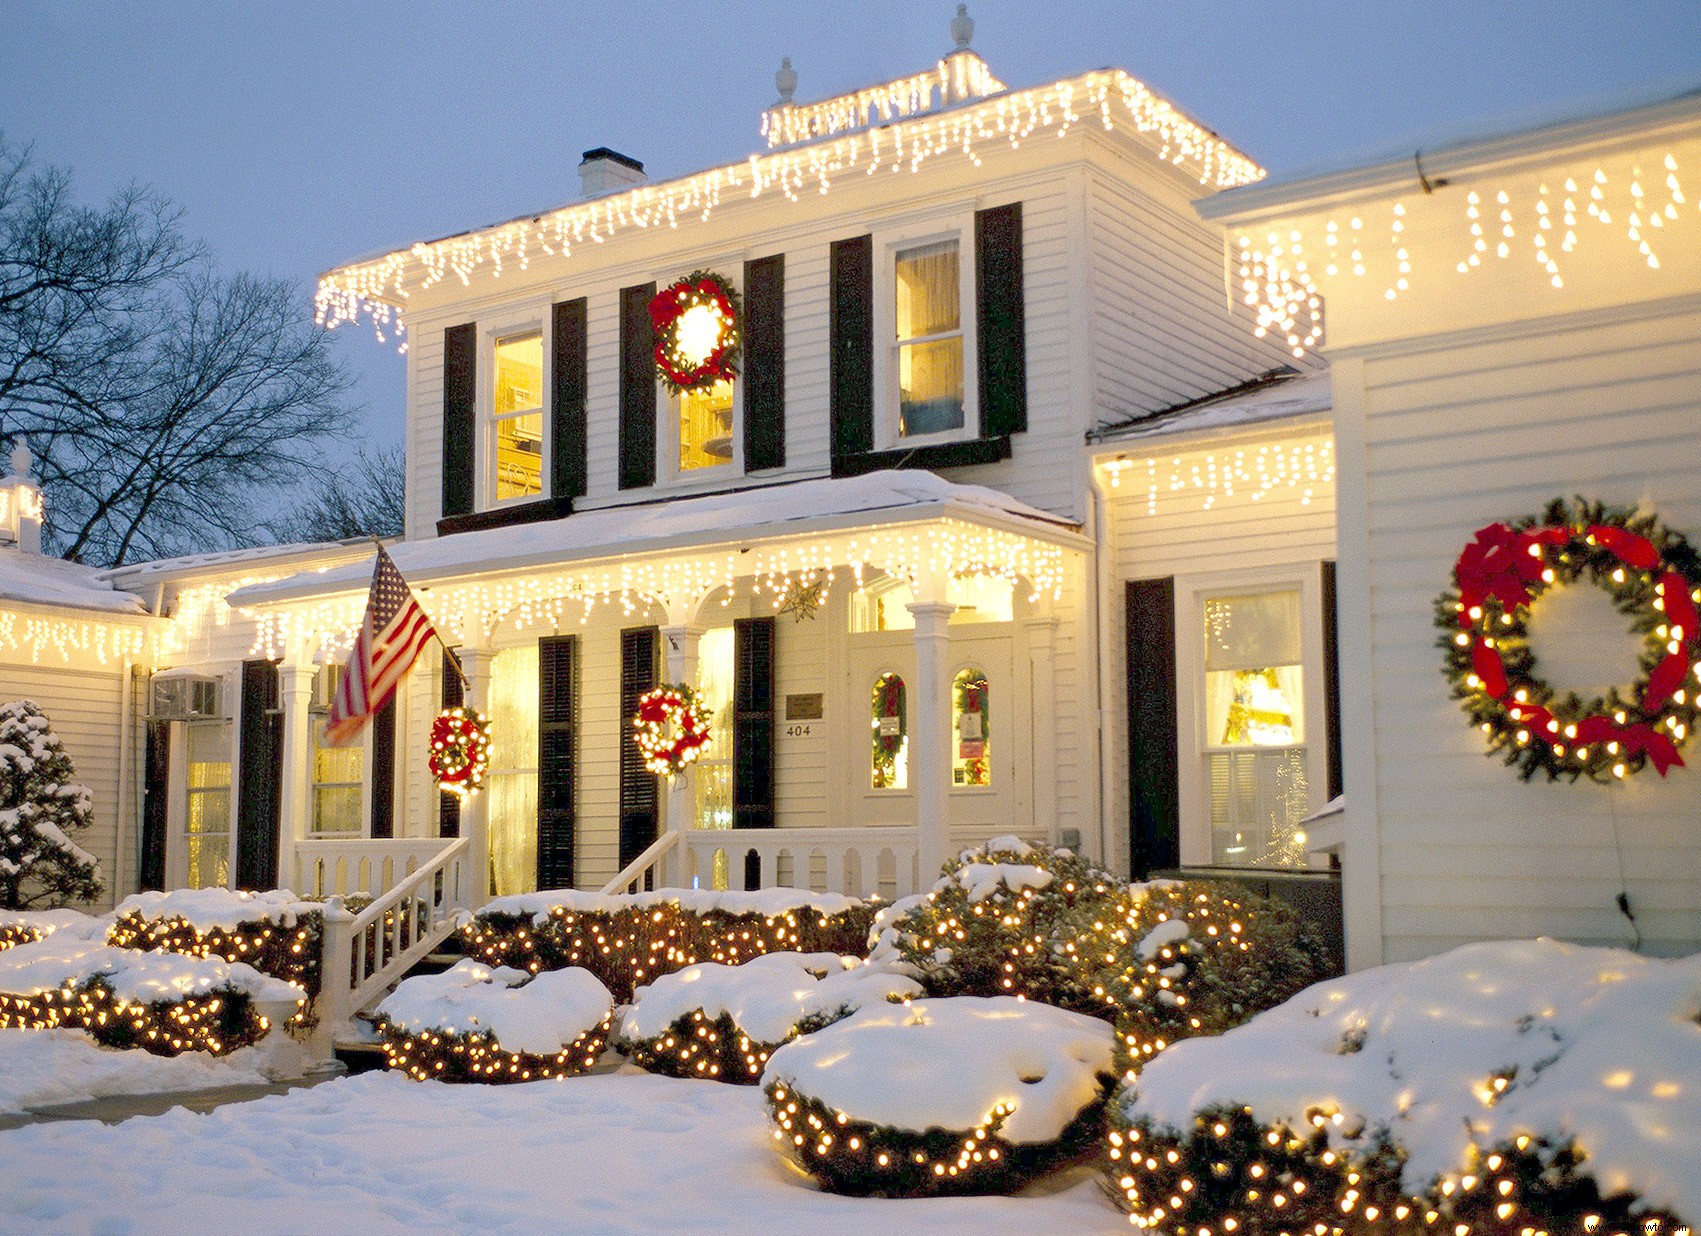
698,324
460,751
1653,576
671,728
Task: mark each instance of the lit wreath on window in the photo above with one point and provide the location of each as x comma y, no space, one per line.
1654,578
671,728
460,751
698,331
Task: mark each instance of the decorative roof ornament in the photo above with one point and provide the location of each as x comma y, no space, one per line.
786,80
963,28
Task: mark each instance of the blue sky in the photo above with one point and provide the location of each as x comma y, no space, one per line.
298,135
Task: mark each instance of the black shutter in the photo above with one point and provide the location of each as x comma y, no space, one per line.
260,769
998,306
1153,773
1331,682
637,388
765,363
850,328
639,793
753,723
558,718
449,805
567,400
384,770
460,394
156,775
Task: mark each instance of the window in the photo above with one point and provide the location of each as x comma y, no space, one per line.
713,782
208,814
929,341
971,757
336,772
889,724
705,427
516,412
513,782
1254,729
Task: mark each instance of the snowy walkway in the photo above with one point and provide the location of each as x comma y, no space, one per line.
377,1154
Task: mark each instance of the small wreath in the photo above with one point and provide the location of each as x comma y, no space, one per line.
888,702
698,331
671,728
1653,576
460,751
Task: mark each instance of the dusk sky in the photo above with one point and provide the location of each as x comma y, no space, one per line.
297,136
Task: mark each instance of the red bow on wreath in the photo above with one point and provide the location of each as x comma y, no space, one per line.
1499,564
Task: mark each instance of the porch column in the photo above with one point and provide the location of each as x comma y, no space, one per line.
679,643
1042,642
475,811
295,694
930,743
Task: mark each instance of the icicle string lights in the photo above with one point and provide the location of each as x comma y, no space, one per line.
1253,471
378,287
960,76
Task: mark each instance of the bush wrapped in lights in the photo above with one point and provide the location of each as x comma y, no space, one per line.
476,1024
276,932
162,1003
965,1095
627,941
724,1022
27,926
1544,1093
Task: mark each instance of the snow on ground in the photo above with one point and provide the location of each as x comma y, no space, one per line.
948,1063
1597,1044
209,908
772,902
147,978
540,1016
45,1068
377,1154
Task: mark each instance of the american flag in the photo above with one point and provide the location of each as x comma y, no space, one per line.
392,635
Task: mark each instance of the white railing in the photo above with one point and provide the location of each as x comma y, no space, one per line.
645,871
359,866
365,953
853,861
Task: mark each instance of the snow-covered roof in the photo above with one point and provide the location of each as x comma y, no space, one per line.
1298,395
1460,145
36,579
715,519
190,564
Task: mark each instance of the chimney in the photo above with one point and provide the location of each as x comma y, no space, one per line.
604,171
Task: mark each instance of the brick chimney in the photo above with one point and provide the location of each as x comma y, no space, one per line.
603,171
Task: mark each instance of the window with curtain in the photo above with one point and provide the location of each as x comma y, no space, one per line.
336,771
1255,729
971,754
207,826
889,721
705,427
929,339
517,418
512,706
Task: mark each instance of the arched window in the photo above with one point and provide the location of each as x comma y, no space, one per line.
971,756
889,731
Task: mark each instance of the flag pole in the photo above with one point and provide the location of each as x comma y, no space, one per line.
448,652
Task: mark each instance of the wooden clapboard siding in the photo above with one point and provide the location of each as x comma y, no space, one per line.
424,431
1454,434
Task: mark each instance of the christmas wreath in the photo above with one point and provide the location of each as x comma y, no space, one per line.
671,728
698,337
1653,576
972,692
460,751
888,740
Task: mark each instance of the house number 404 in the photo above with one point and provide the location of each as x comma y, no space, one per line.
797,731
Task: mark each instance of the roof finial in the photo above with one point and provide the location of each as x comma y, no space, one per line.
22,456
786,79
962,27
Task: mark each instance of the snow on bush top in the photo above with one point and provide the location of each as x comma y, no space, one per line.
767,997
145,978
948,1064
47,921
1476,1046
207,909
771,902
982,880
540,1016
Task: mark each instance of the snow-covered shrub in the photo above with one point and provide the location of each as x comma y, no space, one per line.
41,808
164,1003
276,932
723,1022
965,1095
27,926
476,1024
1012,919
627,941
1509,1087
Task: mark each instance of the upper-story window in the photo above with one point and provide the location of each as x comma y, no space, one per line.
705,418
516,418
928,314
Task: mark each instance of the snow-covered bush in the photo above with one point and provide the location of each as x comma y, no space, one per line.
276,932
627,941
1508,1087
41,809
966,1095
164,1003
27,926
723,1022
1012,919
476,1024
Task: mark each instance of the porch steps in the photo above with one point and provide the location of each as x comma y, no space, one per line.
360,1052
